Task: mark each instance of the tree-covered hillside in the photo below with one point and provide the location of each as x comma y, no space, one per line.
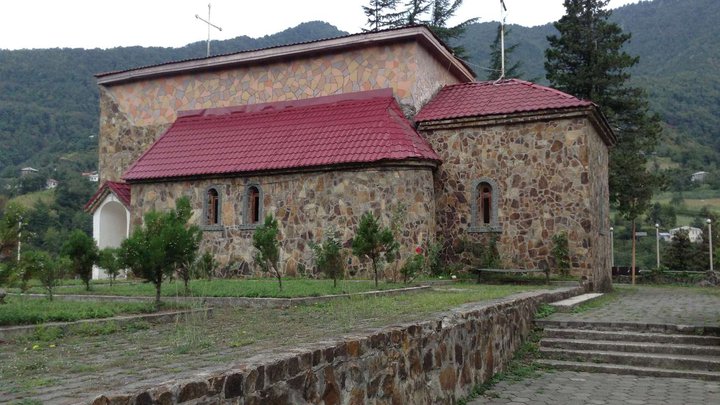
49,106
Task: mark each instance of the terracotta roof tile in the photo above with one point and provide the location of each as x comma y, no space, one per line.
121,191
480,99
363,127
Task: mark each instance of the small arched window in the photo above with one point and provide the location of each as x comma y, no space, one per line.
484,206
252,206
484,203
213,207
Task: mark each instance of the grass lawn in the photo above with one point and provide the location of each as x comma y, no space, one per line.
28,311
179,349
292,287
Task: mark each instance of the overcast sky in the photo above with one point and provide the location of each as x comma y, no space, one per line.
172,23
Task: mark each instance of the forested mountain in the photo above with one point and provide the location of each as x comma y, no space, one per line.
49,106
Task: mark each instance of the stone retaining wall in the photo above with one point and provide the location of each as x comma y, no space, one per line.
432,362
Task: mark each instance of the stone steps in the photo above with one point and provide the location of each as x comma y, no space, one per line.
631,347
629,336
621,369
666,361
630,327
661,350
567,305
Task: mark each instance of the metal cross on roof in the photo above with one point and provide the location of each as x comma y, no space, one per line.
209,24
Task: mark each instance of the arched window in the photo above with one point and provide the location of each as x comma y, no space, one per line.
252,206
213,207
484,206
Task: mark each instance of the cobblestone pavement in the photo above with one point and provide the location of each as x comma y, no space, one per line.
579,388
662,305
642,304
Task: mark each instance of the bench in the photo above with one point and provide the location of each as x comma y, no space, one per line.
480,271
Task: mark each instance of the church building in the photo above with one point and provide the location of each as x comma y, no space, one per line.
319,133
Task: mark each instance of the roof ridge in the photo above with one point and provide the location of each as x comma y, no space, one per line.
277,106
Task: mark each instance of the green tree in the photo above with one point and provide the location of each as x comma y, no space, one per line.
43,267
80,248
109,260
329,258
442,12
561,253
10,231
382,14
206,265
681,254
587,60
265,240
511,70
374,242
161,245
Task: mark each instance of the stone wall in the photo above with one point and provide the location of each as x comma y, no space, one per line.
551,177
132,115
433,362
306,206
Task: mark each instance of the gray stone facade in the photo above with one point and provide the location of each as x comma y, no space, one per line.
549,175
306,204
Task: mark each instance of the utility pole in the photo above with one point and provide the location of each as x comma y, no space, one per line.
657,244
19,238
209,24
612,248
709,222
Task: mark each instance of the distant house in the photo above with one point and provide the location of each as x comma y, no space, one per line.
694,234
91,176
698,177
25,171
666,236
51,184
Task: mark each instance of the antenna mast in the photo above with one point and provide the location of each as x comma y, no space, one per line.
503,12
209,24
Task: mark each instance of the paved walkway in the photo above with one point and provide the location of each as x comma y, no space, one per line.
660,305
578,388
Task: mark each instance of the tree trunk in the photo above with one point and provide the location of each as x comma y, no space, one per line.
157,294
374,263
633,252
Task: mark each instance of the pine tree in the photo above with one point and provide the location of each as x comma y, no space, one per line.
587,61
415,10
442,11
496,58
382,14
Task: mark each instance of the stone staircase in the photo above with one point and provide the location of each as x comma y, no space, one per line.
627,348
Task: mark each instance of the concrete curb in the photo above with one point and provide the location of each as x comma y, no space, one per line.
238,301
12,332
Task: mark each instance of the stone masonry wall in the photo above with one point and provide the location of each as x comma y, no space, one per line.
306,206
434,362
551,176
133,115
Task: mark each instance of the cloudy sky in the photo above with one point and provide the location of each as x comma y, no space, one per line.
172,23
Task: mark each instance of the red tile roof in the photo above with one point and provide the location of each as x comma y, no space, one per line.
121,191
351,128
489,98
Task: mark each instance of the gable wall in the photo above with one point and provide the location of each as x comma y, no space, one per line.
551,177
133,115
306,206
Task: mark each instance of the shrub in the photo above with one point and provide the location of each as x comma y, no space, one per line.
374,242
329,258
205,266
412,267
265,240
164,243
435,264
108,259
561,253
83,253
44,268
